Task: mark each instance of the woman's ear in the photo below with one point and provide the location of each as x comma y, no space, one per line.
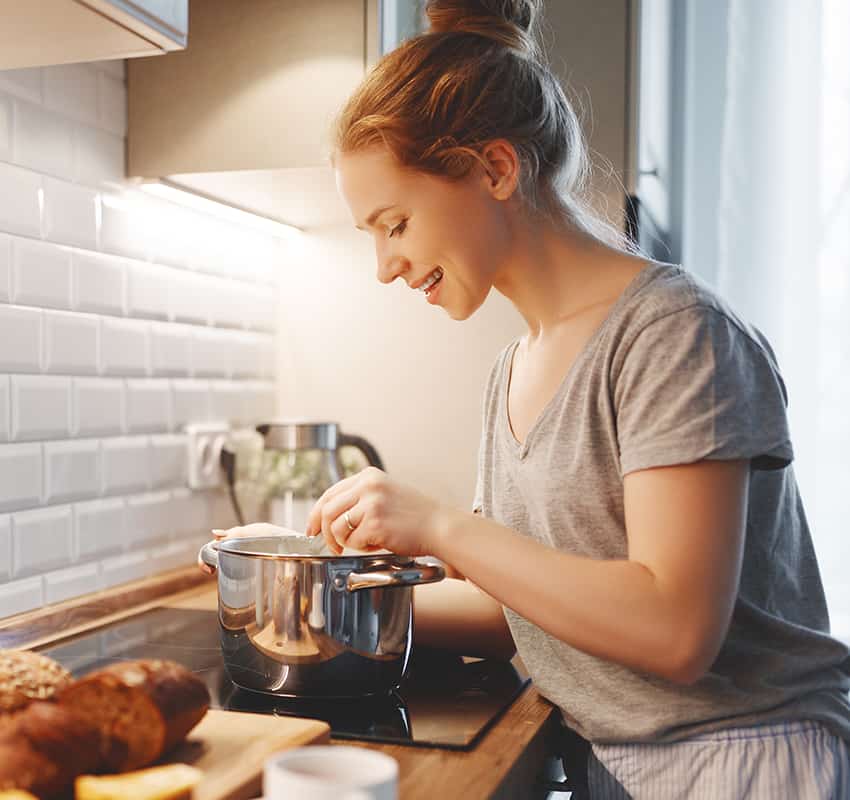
501,165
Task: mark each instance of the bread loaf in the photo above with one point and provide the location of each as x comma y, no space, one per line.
26,676
44,747
142,709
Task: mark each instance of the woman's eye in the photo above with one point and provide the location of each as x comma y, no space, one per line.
399,229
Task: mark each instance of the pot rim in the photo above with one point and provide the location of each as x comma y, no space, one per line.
234,546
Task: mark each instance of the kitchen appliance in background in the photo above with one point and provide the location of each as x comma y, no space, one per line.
277,474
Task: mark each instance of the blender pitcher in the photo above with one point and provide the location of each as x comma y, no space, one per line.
288,468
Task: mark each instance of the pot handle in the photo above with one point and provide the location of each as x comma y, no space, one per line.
394,576
209,554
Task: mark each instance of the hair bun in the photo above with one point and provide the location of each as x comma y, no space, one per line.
509,22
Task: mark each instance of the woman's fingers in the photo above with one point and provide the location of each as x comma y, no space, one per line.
333,524
314,519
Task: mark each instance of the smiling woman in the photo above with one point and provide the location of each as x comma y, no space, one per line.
639,526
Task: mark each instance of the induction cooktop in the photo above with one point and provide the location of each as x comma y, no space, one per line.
443,701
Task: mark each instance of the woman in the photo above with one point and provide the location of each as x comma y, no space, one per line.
638,519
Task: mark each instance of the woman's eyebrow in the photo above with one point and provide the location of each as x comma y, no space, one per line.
372,218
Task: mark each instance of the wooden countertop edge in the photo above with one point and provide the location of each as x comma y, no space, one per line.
60,620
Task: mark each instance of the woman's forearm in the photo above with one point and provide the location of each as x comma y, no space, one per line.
610,609
454,615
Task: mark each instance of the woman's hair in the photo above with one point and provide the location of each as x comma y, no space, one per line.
477,75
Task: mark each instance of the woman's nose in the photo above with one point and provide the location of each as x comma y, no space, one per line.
390,265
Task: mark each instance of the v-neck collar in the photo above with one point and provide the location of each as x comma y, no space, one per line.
521,449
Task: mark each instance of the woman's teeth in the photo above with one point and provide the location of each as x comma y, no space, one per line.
431,280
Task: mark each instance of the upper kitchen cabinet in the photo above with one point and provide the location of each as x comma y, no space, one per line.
35,33
256,89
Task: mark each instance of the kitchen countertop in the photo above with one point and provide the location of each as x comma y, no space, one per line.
504,764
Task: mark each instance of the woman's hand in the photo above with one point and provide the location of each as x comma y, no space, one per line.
370,511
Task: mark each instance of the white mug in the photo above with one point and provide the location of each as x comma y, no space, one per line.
329,772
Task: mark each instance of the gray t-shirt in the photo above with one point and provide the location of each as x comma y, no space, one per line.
672,376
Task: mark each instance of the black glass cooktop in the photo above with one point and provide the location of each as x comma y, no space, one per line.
444,701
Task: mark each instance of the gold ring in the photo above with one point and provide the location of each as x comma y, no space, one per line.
348,521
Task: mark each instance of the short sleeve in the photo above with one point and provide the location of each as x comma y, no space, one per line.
693,385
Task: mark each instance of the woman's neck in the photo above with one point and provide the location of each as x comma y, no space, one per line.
555,273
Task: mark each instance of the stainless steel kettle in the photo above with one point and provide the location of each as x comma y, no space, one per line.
277,475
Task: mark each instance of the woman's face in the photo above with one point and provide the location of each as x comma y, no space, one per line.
445,238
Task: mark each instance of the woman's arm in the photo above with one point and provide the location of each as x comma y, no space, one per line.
457,616
665,609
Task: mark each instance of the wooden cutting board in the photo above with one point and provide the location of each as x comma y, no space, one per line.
230,747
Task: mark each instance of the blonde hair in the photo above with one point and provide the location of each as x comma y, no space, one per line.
478,75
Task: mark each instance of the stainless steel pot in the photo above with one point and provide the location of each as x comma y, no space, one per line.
300,623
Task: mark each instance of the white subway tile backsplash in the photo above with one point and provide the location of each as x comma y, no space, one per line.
123,226
126,464
70,215
5,267
98,406
20,596
247,352
41,407
191,513
262,304
229,304
190,297
63,584
5,128
147,290
41,540
168,460
98,283
148,519
171,349
41,274
70,343
4,408
42,140
191,402
20,210
124,347
148,405
133,306
71,89
98,528
123,569
212,352
20,476
71,470
24,83
5,547
20,339
228,402
99,157
112,97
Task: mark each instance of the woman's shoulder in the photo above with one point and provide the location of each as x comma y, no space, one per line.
671,297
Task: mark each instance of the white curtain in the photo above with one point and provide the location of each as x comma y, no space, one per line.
783,238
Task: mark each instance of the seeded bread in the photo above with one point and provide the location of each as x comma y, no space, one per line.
142,708
26,676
